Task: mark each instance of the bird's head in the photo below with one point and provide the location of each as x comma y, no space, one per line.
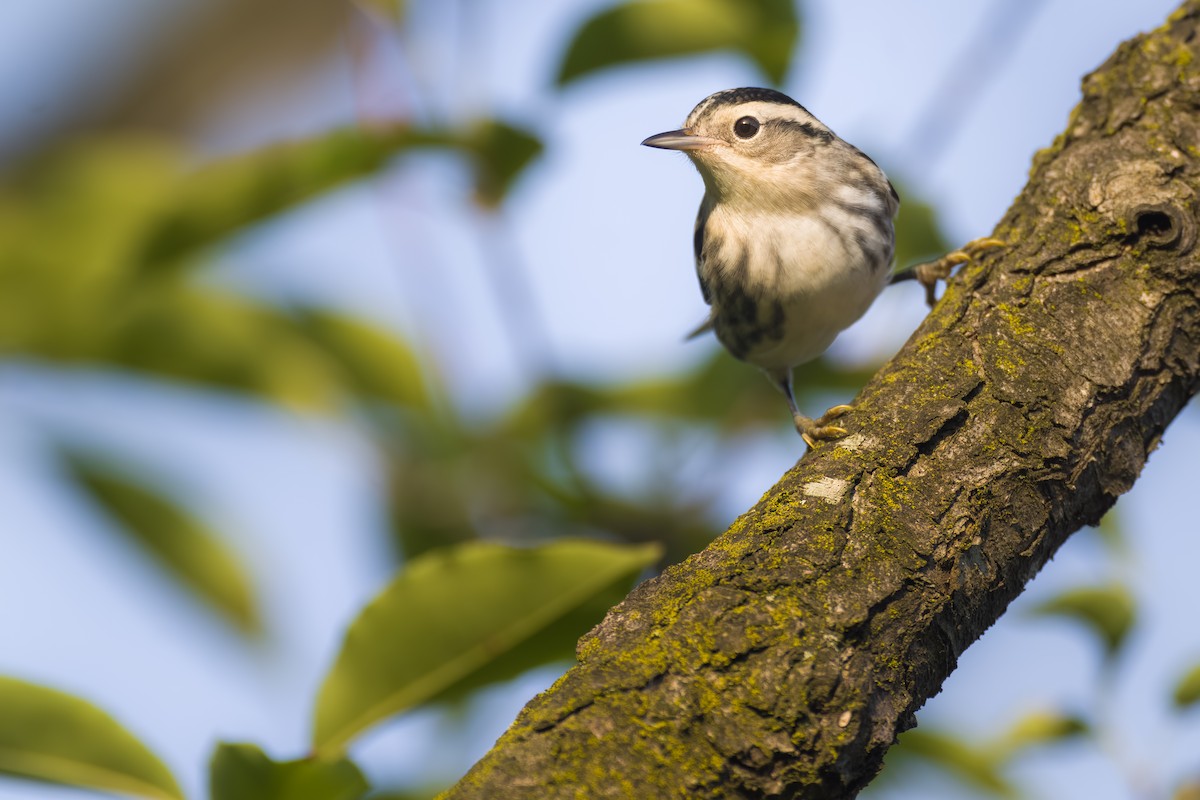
755,144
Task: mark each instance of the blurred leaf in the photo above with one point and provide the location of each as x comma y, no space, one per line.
223,340
970,764
1187,690
1037,728
129,202
244,772
446,478
720,390
225,196
1108,611
106,192
682,527
918,236
377,364
429,504
1112,532
766,31
81,298
1188,790
497,150
55,286
500,153
176,539
736,396
462,617
51,736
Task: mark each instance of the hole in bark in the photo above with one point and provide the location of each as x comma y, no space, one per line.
1158,226
1155,224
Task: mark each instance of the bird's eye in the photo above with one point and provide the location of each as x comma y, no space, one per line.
746,127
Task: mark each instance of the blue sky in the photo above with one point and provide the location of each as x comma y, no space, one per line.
602,228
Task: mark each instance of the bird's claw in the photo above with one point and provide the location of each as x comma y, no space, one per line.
930,273
820,430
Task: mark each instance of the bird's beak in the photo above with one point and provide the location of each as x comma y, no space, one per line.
682,139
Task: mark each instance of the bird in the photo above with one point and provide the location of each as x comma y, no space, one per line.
794,238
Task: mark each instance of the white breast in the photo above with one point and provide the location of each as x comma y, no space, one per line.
816,271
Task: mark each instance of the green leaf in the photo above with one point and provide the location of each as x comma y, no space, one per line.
970,764
48,735
720,391
244,772
1111,531
54,287
222,197
461,617
1187,690
377,365
219,339
105,191
1108,611
428,502
178,541
1037,728
766,31
918,237
499,152
1188,790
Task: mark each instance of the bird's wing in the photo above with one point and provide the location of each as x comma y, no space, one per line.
698,248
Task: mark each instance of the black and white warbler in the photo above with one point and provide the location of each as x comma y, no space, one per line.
794,239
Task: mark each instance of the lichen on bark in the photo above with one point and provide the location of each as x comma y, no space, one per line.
783,659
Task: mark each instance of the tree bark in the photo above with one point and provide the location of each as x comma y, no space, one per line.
783,660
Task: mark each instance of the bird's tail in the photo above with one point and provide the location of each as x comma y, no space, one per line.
701,329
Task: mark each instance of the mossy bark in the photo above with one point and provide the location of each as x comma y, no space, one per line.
783,660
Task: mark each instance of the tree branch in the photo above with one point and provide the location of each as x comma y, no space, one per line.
783,660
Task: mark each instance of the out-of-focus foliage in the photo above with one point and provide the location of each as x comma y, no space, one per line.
500,152
48,735
186,546
119,289
245,772
205,205
464,617
1187,791
110,289
373,363
1037,728
983,765
765,31
528,474
1107,611
972,764
918,238
1187,689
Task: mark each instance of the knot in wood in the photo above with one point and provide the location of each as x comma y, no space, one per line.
1162,225
1142,199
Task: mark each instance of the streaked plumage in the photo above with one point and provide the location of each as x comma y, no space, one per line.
794,238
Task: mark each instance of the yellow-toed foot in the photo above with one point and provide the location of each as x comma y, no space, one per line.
929,274
820,430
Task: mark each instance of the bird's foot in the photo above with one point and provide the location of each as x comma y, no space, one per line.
929,274
820,430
